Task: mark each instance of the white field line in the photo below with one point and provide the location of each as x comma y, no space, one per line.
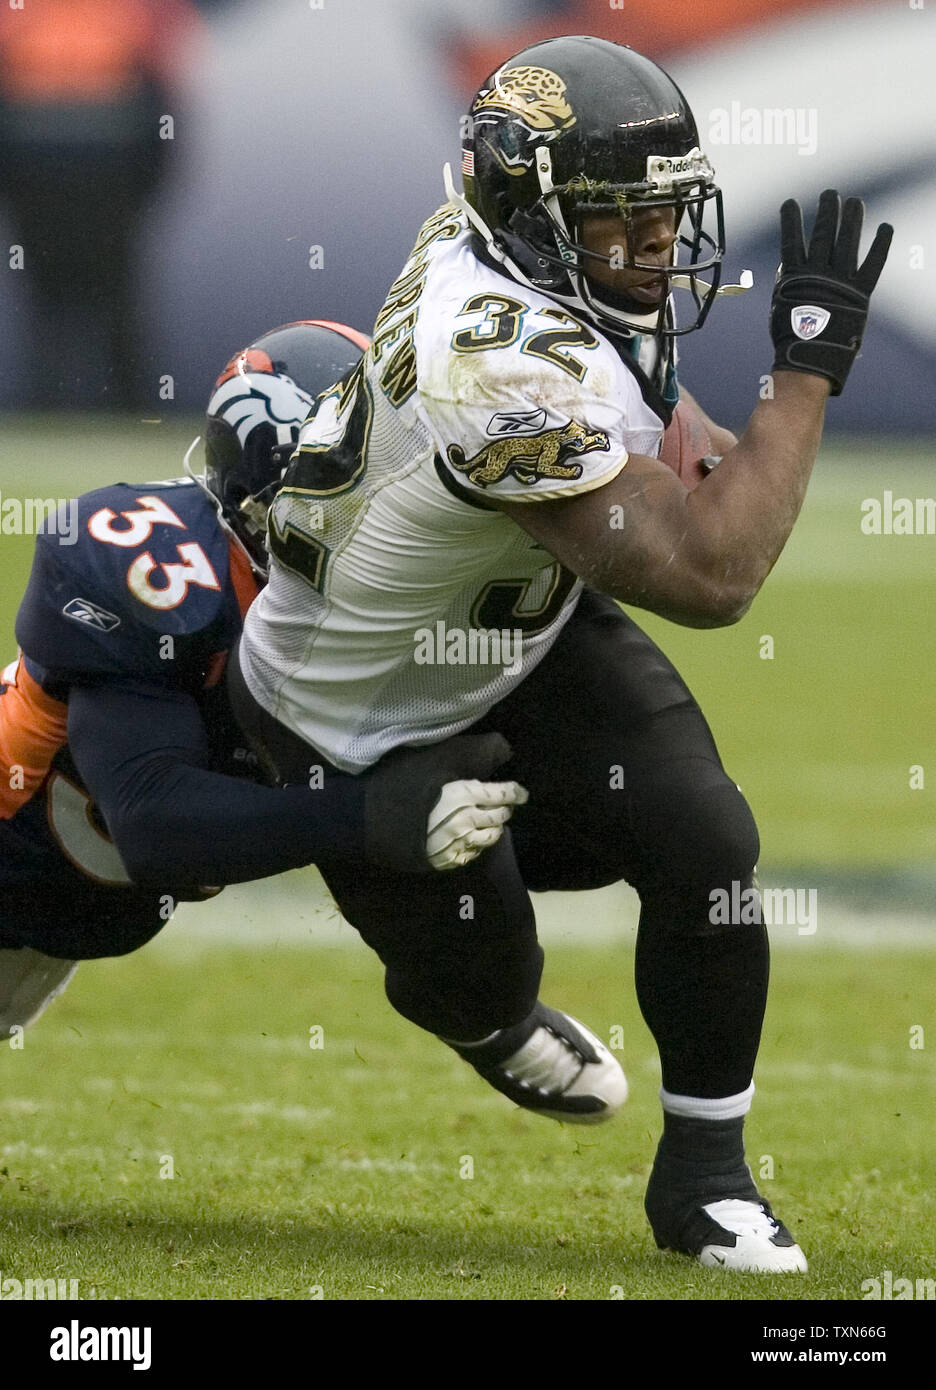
221,1160
295,910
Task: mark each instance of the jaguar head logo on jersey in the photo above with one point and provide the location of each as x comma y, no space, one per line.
534,94
530,459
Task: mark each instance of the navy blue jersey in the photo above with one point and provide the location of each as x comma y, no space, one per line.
151,591
145,591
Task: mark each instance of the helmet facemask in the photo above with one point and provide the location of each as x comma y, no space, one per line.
545,243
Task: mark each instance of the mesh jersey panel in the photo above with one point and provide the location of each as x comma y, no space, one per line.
403,607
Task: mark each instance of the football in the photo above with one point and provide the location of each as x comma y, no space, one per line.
686,447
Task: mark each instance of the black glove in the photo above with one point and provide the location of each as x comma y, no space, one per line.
820,300
404,787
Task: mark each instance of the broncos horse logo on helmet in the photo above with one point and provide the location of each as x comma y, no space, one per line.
257,405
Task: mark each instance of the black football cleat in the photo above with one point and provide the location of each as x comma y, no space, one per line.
553,1065
737,1233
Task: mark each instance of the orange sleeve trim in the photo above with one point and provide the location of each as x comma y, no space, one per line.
33,727
246,587
246,590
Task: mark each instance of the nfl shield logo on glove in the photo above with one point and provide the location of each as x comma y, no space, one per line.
808,320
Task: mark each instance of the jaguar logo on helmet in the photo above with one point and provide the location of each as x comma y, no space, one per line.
536,95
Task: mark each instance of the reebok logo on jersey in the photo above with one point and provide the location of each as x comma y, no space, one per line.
530,459
82,610
517,422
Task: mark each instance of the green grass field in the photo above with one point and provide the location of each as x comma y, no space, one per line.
342,1171
339,1168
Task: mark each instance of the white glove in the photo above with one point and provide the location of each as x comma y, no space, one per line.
468,818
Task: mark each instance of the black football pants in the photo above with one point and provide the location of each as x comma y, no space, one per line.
625,782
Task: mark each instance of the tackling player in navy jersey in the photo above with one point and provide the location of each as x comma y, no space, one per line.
125,785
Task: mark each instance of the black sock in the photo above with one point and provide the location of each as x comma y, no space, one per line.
704,1157
703,999
697,1161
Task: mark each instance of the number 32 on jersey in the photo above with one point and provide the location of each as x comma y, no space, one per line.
501,326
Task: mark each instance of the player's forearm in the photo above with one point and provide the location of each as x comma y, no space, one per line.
142,754
200,829
743,513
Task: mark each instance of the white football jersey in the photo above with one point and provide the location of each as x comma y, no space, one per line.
401,606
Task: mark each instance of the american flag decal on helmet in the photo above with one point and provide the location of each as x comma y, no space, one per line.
467,166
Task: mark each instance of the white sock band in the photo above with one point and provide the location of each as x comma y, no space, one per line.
697,1108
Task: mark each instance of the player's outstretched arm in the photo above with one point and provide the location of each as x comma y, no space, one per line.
700,557
143,754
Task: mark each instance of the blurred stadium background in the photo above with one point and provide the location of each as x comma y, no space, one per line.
306,146
297,126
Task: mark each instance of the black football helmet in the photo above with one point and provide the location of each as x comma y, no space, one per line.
256,408
577,125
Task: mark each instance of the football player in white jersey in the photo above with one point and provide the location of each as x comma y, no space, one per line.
459,518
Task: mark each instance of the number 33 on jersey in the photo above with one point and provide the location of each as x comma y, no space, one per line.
150,562
131,530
